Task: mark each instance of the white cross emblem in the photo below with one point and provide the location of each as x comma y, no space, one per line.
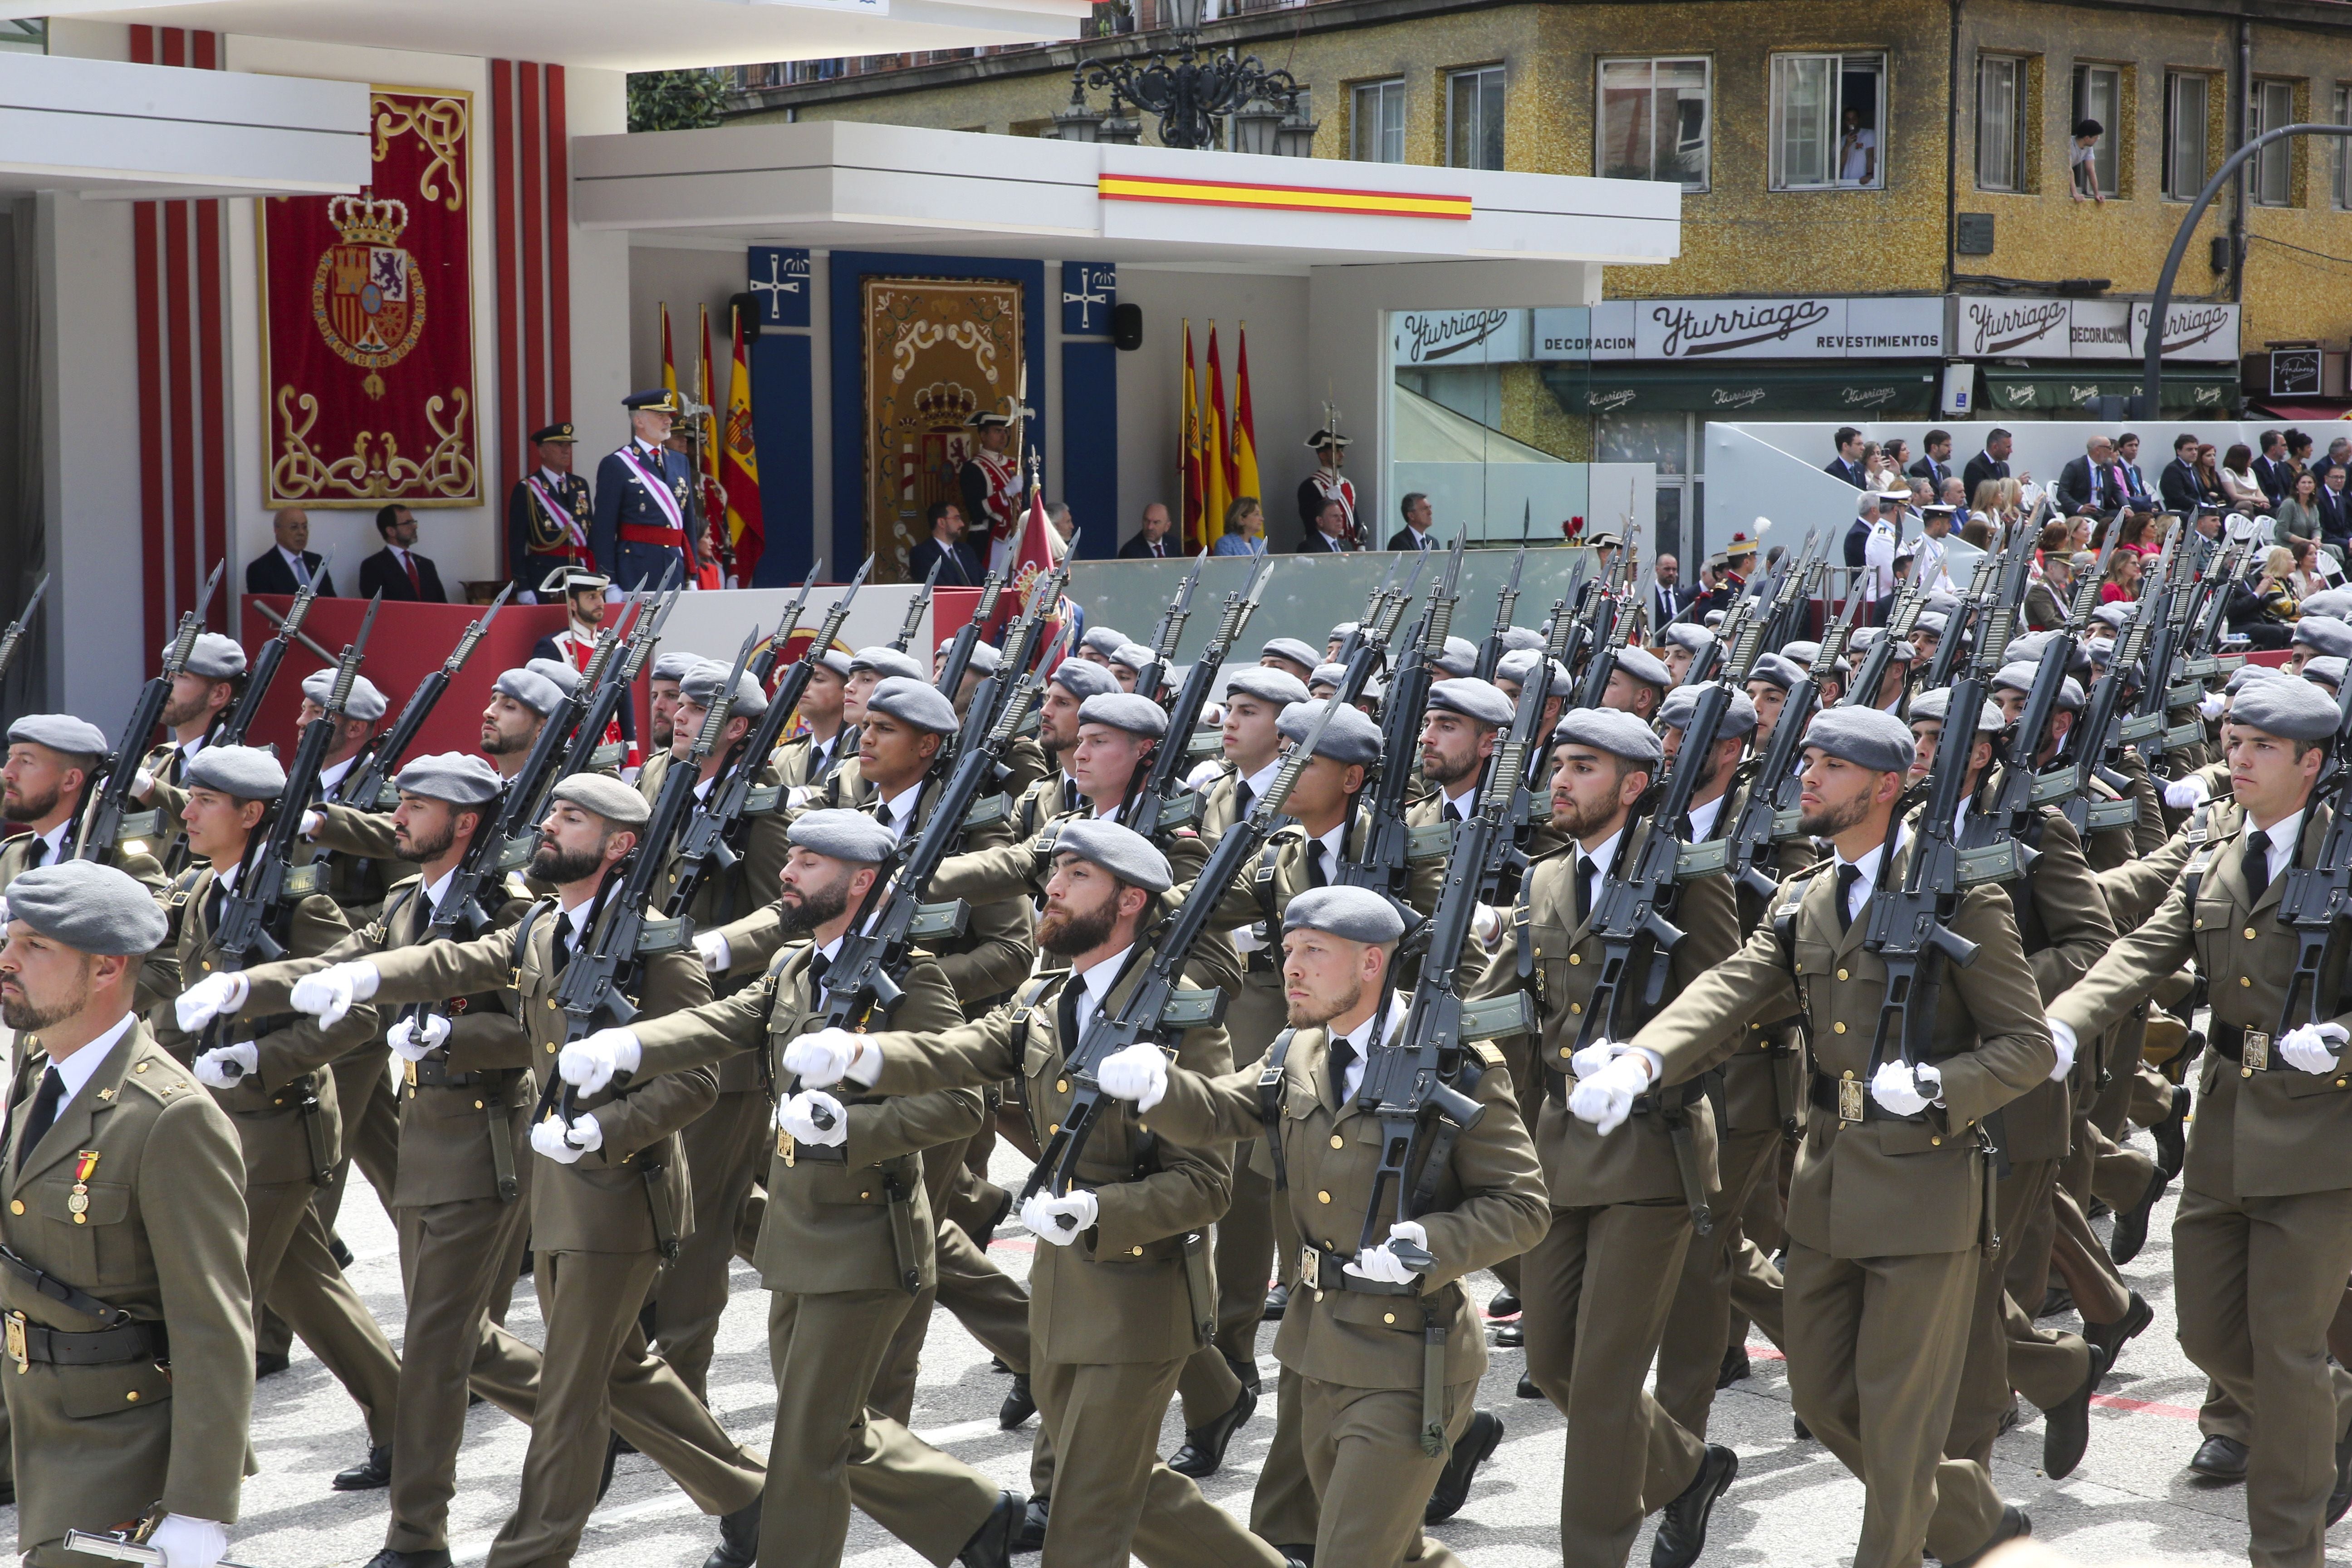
1092,294
777,284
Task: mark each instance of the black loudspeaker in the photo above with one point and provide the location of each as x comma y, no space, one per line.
746,307
1127,326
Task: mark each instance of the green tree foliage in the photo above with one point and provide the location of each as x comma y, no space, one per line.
674,101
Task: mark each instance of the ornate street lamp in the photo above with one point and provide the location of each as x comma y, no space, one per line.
1191,92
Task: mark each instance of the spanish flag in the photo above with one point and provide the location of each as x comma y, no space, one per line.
1216,469
1245,480
1189,460
740,466
669,360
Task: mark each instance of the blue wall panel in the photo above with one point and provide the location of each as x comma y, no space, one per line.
783,433
1090,444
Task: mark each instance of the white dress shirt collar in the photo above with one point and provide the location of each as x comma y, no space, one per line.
1263,780
79,1068
1702,818
440,889
902,809
1358,1038
1868,864
1098,981
334,773
2283,835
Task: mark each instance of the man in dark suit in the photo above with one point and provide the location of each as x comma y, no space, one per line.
2335,510
2177,485
648,511
289,564
1847,464
1330,535
1937,465
2271,471
1668,597
959,564
397,570
1419,517
548,514
1992,463
2087,484
1151,542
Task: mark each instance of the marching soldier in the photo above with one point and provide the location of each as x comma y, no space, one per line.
202,695
810,757
121,1211
549,513
661,721
990,483
844,785
647,514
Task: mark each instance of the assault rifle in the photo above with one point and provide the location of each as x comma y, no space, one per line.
1377,604
967,638
1023,641
1901,621
915,608
1768,816
1507,603
786,698
1761,601
369,784
614,679
1385,863
2174,599
1152,676
15,632
1609,628
1504,855
107,825
263,672
1163,801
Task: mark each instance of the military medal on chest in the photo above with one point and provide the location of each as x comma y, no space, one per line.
78,1201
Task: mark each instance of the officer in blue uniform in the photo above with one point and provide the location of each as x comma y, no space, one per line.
647,515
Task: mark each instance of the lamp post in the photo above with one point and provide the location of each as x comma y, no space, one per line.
1190,90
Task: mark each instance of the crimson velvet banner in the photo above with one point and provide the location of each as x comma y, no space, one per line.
367,304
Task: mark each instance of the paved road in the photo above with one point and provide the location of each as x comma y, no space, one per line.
1793,1506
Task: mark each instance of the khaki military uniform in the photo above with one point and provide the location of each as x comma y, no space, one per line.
2263,1239
845,1249
133,1198
1888,1218
601,1228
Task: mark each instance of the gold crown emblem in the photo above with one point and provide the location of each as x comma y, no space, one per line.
365,220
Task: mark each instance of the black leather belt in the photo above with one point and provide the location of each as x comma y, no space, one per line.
1850,1100
28,1342
2255,1050
792,1152
1320,1269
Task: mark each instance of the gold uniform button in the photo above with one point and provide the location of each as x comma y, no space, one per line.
1387,1317
477,1104
1939,1142
1318,1298
1322,1197
1568,1050
1339,1142
1838,1028
1138,1252
2250,933
207,963
866,1194
2245,1072
142,1067
1849,1074
550,1047
1054,1128
1841,974
2245,980
17,1207
132,1396
81,1219
1576,958
1061,1086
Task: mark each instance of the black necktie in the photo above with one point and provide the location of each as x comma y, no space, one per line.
818,964
1585,869
1343,1053
213,901
1065,1017
563,941
882,814
1243,795
1069,795
1847,875
2257,864
1453,812
40,853
1315,876
44,1113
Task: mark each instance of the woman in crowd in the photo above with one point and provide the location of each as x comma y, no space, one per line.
2261,608
2121,584
2298,518
2309,576
1244,529
2239,484
2208,469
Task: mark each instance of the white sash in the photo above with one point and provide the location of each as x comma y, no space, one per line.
572,528
656,486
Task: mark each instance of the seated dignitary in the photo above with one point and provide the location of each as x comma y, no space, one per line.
846,1244
1374,1339
122,1210
609,1205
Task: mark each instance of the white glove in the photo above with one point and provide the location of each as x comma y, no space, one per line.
2212,704
2312,1048
1246,939
1897,1088
207,999
1588,1061
1382,1263
1486,924
585,1134
225,1068
2187,794
797,1118
1606,1099
1060,1220
2062,1039
712,949
1139,1073
313,820
142,786
822,1058
415,1044
332,993
798,797
590,1064
189,1542
547,1138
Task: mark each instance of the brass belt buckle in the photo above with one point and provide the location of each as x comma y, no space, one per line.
2256,1052
1310,1267
408,1070
16,1340
786,1150
1849,1106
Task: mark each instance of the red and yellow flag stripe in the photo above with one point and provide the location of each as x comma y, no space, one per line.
1279,198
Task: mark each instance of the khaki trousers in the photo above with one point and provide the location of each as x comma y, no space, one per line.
2006,1351
288,1263
990,1304
1875,1349
1363,1453
2257,1281
2083,1262
726,1153
1285,1508
1698,1325
1597,1291
369,1111
830,1450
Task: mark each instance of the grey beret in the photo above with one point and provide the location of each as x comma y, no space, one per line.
2335,601
364,702
1345,630
1460,657
1610,729
843,836
2029,646
1133,655
453,776
1291,649
2327,669
1083,678
915,702
1349,737
674,665
565,678
61,732
608,797
1777,671
1351,914
1128,711
1520,663
1276,686
1941,603
2249,673
1868,638
532,689
1122,851
1472,698
2325,633
2291,710
1936,707
833,659
2019,675
216,657
1864,736
1684,635
248,772
1103,640
1522,639
1644,666
1738,719
1324,674
1933,622
2112,615
90,908
1801,653
986,658
708,678
888,662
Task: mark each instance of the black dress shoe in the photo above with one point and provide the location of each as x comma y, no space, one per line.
2066,1428
2340,1498
1479,1441
1247,1372
1031,1535
739,1539
1511,1336
2014,1522
388,1558
370,1474
1682,1525
2221,1460
1300,1557
339,1252
1277,1301
7,1494
2131,1226
1203,1453
2112,1337
2057,1299
1527,1389
996,1365
1804,1432
1018,1404
268,1365
1734,1367
1504,1305
992,1545
2171,1134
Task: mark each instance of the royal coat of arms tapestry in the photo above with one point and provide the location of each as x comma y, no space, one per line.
937,352
368,313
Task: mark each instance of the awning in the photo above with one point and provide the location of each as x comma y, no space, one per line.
1872,390
2053,389
2317,413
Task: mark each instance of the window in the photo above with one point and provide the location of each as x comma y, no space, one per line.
2099,95
2273,182
1377,124
2000,122
1653,121
1474,117
1827,111
2342,151
2186,98
29,37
